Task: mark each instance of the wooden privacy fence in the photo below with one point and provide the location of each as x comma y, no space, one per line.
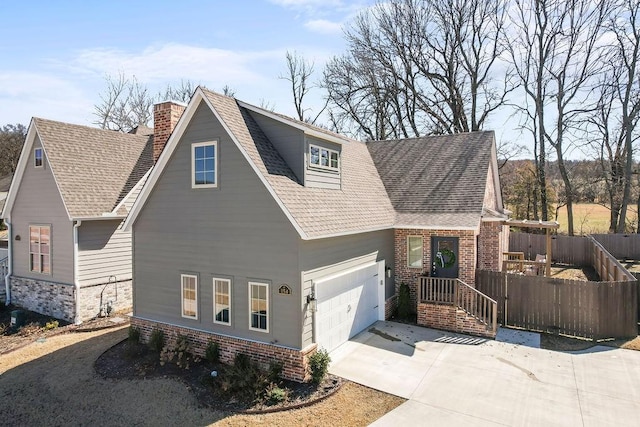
564,249
621,246
596,310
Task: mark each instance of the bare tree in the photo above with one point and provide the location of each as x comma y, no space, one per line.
420,67
11,141
299,73
182,92
552,45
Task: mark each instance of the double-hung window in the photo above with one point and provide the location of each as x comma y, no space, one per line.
222,301
323,158
189,296
259,306
414,251
37,157
204,164
40,249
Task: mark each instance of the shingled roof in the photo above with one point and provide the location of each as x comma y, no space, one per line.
435,180
362,203
94,168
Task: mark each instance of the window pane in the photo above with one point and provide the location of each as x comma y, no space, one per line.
200,177
34,261
210,178
199,152
200,165
324,161
209,151
334,160
208,164
315,156
414,252
45,266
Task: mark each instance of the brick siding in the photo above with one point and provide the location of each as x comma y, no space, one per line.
165,119
295,362
450,318
490,248
390,306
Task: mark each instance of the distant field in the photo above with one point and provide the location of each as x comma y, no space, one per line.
589,218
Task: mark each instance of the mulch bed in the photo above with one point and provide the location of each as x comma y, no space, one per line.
131,360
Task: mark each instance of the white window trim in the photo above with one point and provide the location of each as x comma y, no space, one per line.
193,164
266,285
409,252
50,273
41,157
182,296
320,166
215,279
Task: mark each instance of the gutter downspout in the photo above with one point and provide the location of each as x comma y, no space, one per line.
7,278
76,282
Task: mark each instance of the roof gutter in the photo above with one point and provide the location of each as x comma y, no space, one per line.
7,278
76,281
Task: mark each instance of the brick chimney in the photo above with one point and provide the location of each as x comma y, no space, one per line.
165,118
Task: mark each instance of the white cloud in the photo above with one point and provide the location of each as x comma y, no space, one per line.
323,26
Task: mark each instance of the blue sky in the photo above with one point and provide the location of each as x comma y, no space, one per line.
55,55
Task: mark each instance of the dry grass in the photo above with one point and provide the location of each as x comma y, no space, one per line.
35,379
590,218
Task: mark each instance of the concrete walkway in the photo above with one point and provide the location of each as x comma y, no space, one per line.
452,379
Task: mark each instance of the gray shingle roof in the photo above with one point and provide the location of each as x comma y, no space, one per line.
94,168
435,180
361,205
5,182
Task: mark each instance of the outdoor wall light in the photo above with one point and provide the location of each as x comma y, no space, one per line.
388,270
312,302
17,237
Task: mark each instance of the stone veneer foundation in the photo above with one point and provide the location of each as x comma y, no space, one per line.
295,362
58,299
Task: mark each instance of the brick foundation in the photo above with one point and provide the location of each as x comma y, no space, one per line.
295,362
450,318
390,306
95,297
58,299
44,297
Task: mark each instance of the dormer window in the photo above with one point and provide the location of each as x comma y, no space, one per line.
323,158
37,157
204,156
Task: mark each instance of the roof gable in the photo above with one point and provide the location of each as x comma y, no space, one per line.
94,169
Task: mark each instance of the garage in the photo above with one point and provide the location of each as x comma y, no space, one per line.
348,302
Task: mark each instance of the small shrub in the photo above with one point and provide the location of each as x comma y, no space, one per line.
180,354
274,394
319,365
156,340
404,301
212,352
29,329
245,379
51,325
134,334
275,371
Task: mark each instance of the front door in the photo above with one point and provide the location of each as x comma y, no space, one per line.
444,256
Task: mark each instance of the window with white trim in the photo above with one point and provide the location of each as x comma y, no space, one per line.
40,248
222,301
204,164
189,296
414,251
259,306
324,158
37,157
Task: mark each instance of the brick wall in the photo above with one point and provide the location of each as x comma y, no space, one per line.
466,257
44,297
390,306
93,298
165,119
450,318
490,246
295,362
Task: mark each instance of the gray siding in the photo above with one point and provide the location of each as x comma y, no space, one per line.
234,231
320,178
104,250
287,140
38,201
324,257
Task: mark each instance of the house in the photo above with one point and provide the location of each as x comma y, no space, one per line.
285,236
74,185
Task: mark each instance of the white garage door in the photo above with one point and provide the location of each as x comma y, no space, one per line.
348,303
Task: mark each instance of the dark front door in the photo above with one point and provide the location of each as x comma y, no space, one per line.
444,256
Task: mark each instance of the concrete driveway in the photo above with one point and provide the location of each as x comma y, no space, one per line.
452,379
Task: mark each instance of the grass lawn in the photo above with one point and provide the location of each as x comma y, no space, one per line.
590,218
